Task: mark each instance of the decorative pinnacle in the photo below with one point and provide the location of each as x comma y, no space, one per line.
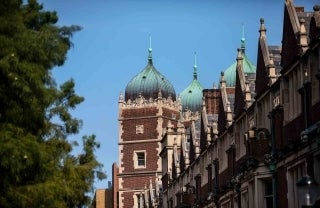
150,49
262,28
243,45
195,75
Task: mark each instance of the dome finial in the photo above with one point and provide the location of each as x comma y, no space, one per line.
243,44
150,49
195,75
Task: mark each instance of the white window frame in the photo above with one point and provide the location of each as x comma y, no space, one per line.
136,159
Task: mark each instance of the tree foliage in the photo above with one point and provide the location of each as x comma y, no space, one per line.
37,165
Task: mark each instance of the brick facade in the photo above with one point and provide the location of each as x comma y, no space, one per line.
273,137
141,129
261,144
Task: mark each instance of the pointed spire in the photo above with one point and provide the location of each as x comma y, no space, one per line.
203,104
263,29
195,74
239,69
150,50
303,37
243,44
222,80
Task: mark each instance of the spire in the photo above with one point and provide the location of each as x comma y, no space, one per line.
222,80
150,50
195,74
262,28
243,44
303,40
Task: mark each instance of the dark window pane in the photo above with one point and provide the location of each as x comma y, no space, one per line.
141,159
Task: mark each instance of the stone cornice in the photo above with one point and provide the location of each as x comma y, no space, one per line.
141,102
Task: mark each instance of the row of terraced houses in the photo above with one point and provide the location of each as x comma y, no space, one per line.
250,142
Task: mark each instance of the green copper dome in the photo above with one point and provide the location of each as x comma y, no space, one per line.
230,73
191,97
248,67
149,83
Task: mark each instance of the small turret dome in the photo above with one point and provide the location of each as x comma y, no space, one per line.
149,83
248,67
230,72
191,97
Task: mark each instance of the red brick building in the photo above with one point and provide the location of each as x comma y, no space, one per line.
266,139
147,107
248,143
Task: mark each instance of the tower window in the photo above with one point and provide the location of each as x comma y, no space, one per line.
139,159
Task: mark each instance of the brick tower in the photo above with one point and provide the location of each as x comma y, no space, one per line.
145,109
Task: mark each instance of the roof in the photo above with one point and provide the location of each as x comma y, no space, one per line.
191,97
149,83
248,67
230,72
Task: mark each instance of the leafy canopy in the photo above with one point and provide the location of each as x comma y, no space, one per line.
37,166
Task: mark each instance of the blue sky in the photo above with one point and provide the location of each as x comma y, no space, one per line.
113,46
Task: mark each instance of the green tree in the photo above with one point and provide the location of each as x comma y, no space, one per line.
37,165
